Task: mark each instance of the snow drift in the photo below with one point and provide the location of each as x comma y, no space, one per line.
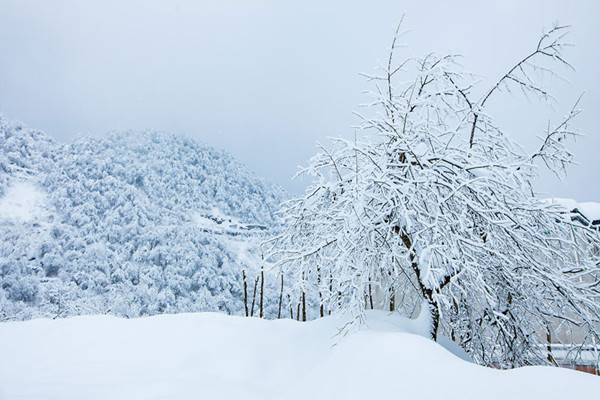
214,356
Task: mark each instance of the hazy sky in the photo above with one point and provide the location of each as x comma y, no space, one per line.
265,80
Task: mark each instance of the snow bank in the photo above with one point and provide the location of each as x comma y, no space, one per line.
213,356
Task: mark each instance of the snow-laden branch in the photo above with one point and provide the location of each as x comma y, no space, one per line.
418,211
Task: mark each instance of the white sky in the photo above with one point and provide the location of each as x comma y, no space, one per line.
266,79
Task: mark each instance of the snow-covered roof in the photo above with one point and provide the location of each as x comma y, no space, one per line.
587,213
590,209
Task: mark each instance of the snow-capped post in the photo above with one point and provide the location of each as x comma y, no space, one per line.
435,203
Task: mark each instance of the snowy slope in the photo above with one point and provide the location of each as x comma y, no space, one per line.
24,152
24,201
134,223
213,356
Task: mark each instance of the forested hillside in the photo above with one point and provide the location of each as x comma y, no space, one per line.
134,223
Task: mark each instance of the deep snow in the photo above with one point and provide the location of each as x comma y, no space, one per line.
214,356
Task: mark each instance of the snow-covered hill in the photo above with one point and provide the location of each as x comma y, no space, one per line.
119,225
214,356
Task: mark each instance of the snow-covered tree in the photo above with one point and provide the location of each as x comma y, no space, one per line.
434,205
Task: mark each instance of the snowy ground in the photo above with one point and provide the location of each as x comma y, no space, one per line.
213,356
23,201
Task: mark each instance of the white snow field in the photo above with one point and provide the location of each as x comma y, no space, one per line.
214,356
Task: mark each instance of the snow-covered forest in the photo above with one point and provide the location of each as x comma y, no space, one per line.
131,224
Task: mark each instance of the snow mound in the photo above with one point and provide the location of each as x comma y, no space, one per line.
209,355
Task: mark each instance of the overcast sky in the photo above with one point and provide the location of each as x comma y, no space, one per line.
265,80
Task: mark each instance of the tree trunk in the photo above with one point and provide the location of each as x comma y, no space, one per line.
254,297
434,313
245,291
549,348
321,310
435,321
330,292
303,307
430,303
391,292
262,290
280,298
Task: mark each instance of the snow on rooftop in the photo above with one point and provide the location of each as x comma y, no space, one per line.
214,356
590,210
